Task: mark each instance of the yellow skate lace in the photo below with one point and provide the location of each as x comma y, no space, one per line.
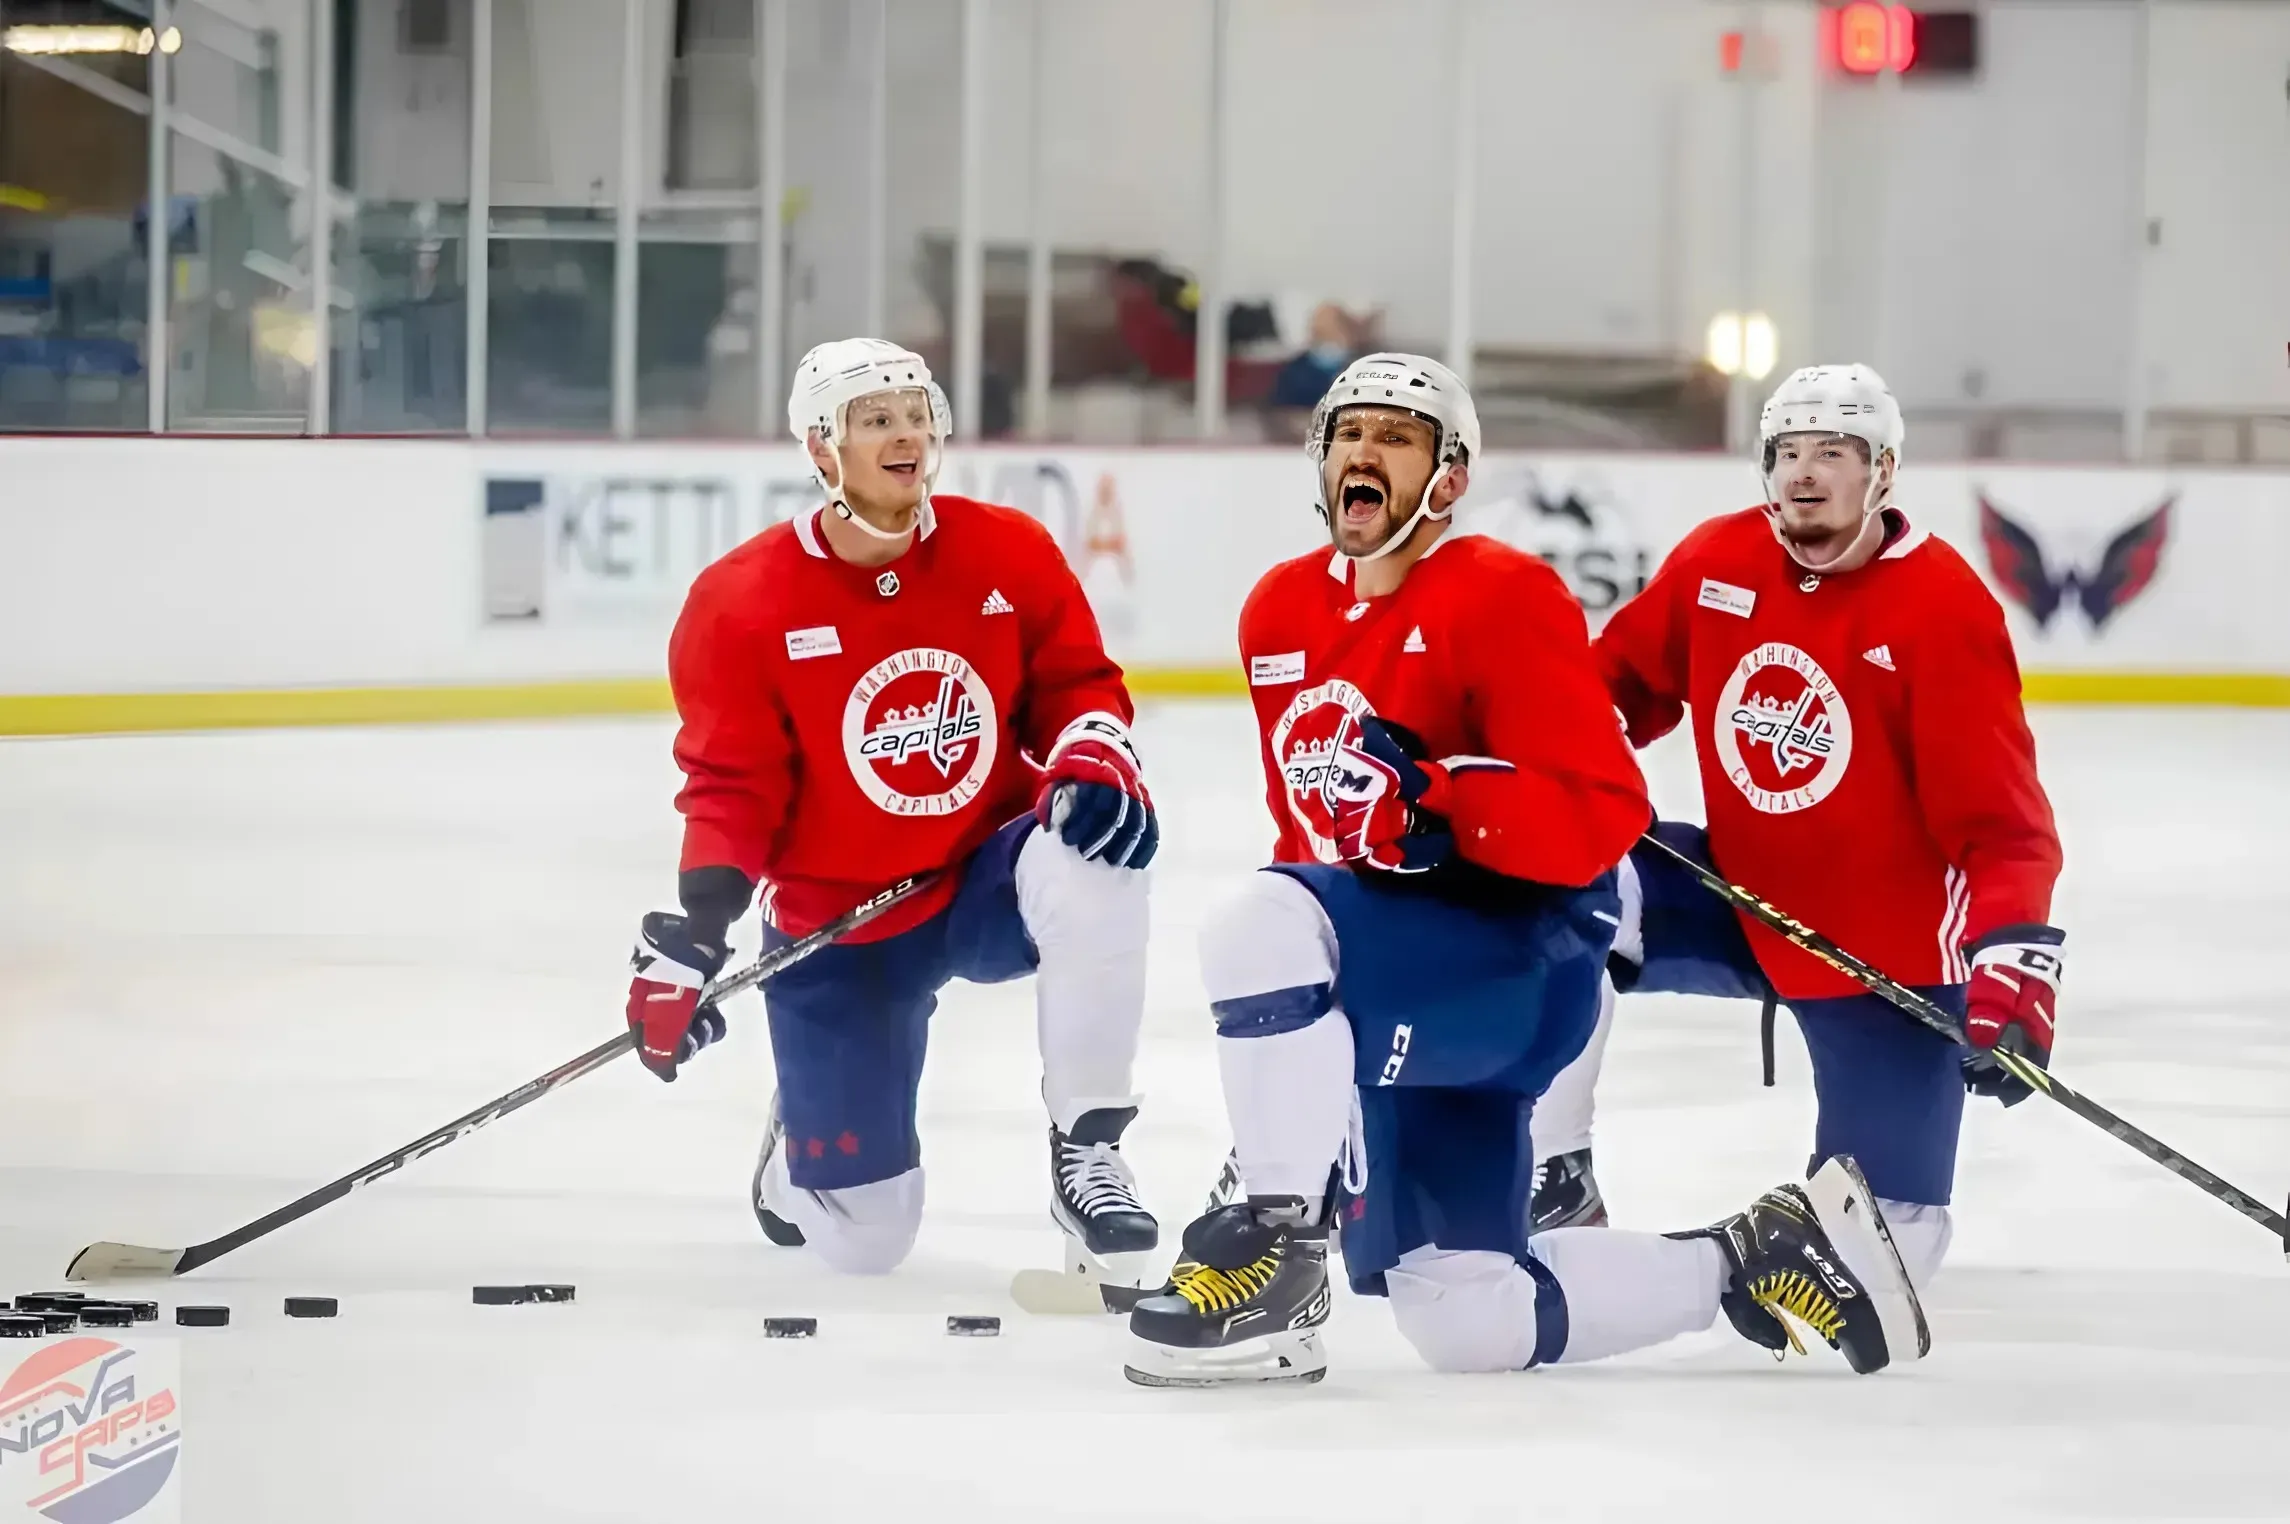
1795,1293
1213,1290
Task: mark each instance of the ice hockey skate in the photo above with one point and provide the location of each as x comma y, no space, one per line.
1108,1234
1244,1303
1566,1194
775,1227
1820,1255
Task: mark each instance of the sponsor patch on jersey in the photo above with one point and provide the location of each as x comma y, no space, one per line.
1781,730
819,640
1305,740
1726,598
1265,671
920,733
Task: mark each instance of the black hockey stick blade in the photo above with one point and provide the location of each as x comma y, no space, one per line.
116,1261
1806,939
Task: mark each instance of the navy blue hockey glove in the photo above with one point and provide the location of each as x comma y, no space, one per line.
2009,1006
1093,794
1387,799
669,969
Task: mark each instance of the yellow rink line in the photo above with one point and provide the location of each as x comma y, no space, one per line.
120,713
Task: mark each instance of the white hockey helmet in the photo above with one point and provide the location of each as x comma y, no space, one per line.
1418,385
1834,399
838,373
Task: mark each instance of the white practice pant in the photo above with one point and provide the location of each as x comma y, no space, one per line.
1088,924
1288,1087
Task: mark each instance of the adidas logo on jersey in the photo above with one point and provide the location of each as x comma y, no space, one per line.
1414,641
1879,656
997,604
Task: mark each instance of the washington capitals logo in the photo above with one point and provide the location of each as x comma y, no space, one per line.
2126,567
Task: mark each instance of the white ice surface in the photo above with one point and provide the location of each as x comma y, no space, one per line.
234,966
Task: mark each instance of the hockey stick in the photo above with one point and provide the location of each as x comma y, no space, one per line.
110,1261
1805,938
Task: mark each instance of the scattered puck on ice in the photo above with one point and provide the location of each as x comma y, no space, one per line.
790,1328
973,1328
512,1296
312,1307
203,1317
43,1301
22,1325
145,1312
58,1322
104,1315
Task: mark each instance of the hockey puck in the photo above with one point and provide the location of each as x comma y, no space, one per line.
58,1322
790,1328
513,1296
312,1307
42,1301
104,1315
973,1327
145,1312
22,1325
203,1317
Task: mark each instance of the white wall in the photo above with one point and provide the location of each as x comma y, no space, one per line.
2217,308
1980,241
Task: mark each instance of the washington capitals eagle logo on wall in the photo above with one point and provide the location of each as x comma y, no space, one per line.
2126,567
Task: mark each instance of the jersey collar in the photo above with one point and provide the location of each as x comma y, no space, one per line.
1340,565
815,545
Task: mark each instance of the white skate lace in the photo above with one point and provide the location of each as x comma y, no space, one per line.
1352,1156
1096,1178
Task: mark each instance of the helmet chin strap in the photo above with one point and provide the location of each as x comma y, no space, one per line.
1399,536
1873,500
844,511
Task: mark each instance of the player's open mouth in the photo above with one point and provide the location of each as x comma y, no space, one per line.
1363,502
1808,499
904,470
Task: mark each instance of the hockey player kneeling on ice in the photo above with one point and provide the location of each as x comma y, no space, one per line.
1427,951
1866,764
863,692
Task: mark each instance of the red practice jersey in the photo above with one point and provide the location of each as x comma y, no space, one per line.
1865,759
1482,652
847,726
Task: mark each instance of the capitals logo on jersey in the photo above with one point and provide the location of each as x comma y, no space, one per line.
920,734
1306,742
1781,729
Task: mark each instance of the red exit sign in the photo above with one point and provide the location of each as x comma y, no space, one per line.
1865,39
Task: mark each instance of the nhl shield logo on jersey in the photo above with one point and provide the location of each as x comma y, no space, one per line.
1305,741
920,733
1782,730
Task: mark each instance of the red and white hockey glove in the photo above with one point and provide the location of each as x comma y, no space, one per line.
670,969
1093,794
1387,801
2009,1005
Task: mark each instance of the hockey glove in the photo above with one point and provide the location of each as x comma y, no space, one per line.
2008,1006
670,969
1388,801
1093,794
